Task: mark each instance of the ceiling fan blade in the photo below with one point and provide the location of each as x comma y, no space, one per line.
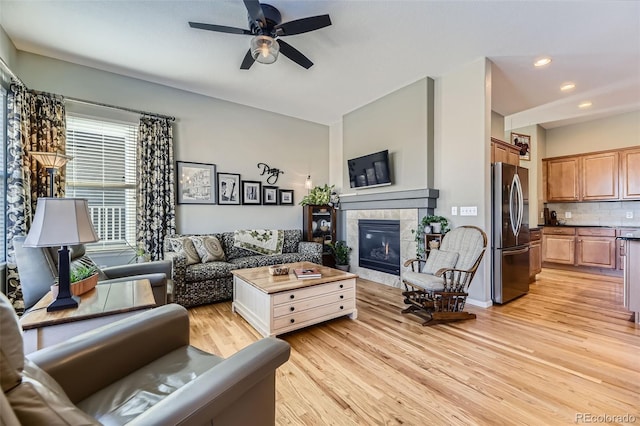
219,28
303,25
255,11
294,54
247,61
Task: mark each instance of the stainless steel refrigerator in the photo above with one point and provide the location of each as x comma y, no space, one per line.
510,232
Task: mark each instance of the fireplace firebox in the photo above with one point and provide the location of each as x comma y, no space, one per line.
379,245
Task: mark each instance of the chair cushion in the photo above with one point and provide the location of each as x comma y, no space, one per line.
439,259
184,246
209,248
424,281
39,400
467,242
11,351
127,398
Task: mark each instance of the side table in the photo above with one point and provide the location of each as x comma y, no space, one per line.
104,304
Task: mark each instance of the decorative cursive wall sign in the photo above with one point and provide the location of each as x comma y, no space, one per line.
273,173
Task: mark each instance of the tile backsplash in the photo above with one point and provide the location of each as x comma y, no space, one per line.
605,213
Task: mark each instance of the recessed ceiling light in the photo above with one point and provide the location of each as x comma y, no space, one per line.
585,104
542,62
567,86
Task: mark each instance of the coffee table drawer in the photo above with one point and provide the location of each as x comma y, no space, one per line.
298,305
312,291
313,316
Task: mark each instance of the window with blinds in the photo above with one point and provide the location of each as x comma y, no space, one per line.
103,170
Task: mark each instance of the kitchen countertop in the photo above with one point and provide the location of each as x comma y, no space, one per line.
631,237
588,226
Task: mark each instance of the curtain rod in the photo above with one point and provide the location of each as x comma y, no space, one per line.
6,69
152,114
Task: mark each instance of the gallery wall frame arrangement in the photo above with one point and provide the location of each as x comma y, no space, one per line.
196,183
269,195
228,188
251,192
524,143
285,197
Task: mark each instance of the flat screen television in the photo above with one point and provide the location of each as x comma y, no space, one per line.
370,170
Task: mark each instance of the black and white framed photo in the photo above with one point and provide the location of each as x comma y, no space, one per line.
196,183
524,143
270,195
228,188
251,192
285,197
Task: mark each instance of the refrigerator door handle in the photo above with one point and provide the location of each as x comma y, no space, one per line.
515,205
514,252
518,183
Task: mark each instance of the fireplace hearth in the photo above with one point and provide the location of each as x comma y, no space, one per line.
379,245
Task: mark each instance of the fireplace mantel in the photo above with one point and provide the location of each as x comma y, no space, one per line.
411,199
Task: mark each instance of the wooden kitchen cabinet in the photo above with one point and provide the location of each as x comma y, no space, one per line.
622,232
503,152
596,247
558,245
562,181
535,254
630,174
599,176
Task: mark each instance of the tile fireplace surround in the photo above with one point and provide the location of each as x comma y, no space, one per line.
405,206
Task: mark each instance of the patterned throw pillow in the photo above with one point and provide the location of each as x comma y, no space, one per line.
184,246
439,259
209,249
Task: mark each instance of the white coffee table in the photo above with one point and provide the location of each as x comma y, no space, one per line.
277,304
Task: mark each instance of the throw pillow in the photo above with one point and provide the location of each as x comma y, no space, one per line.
184,246
209,248
11,353
261,241
439,259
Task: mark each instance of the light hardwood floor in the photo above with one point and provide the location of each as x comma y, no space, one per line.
566,349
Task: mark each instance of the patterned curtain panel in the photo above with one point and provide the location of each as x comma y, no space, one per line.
155,213
35,122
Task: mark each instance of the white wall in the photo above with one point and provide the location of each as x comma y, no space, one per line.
463,157
497,127
617,131
397,122
8,51
207,130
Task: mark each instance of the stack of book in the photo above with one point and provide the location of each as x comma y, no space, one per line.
302,273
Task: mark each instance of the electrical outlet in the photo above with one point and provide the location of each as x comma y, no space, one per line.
567,215
629,215
541,215
454,211
469,211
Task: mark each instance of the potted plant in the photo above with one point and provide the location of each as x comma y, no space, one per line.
428,222
341,252
320,195
83,278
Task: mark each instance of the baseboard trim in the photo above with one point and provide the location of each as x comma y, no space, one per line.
480,303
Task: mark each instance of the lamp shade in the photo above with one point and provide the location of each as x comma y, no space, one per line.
61,222
264,49
308,184
51,160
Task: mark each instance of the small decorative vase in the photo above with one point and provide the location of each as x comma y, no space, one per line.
436,227
427,229
344,268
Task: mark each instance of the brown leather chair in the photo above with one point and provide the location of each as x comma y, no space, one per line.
140,370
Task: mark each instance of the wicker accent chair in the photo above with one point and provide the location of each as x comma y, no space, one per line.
437,292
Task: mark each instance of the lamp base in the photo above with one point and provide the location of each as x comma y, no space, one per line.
63,303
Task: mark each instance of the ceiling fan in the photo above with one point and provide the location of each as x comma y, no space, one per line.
266,27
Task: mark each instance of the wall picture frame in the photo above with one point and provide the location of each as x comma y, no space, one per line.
196,183
285,197
251,192
228,188
524,143
269,195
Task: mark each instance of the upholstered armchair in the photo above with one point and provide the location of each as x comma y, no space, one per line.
436,289
38,270
137,371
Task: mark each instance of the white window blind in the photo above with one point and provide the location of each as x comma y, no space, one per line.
103,171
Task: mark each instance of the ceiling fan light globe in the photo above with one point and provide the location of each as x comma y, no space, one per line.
264,49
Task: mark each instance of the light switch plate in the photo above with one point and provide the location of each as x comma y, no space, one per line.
454,211
629,215
567,215
469,211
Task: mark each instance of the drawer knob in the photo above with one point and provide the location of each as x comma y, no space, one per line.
341,307
292,296
342,296
341,285
292,309
292,320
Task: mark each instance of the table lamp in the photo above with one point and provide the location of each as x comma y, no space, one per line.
61,222
52,161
